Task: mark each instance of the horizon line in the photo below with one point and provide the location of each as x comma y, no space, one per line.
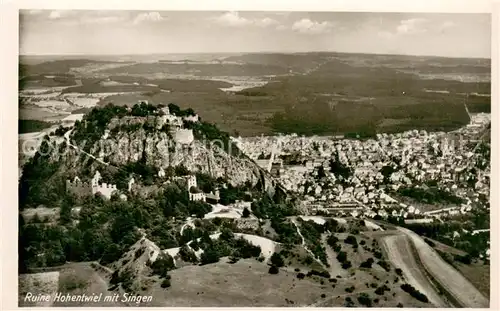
261,52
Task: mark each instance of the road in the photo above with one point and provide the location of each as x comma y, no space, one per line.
465,294
400,254
68,141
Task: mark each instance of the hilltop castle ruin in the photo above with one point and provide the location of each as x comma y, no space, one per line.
82,189
175,124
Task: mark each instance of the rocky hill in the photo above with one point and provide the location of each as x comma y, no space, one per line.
144,142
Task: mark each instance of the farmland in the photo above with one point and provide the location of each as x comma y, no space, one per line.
305,93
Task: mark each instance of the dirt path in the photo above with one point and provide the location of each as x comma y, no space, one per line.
335,266
305,246
448,277
189,222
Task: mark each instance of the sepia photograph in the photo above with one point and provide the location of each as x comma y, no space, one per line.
254,159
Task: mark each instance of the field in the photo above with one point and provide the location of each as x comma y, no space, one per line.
223,285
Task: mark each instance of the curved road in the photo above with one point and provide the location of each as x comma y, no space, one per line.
448,277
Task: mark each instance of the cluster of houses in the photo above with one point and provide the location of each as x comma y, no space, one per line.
421,157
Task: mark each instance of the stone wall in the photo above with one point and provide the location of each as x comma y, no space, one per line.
78,188
104,189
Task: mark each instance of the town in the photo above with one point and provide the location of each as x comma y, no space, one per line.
359,177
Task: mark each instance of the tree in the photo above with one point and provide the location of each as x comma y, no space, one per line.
321,172
367,263
351,239
246,213
332,240
399,271
342,256
274,270
277,260
65,212
210,255
187,254
226,234
163,264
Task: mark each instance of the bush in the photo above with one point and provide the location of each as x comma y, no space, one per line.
342,256
400,305
323,296
432,244
277,260
384,264
382,289
367,263
165,283
300,275
414,292
365,300
346,265
351,239
274,270
399,271
323,274
350,289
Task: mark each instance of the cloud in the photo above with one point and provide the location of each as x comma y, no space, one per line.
149,16
265,22
411,26
55,15
307,26
100,19
75,17
35,12
233,19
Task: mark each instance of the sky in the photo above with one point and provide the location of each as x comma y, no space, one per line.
46,32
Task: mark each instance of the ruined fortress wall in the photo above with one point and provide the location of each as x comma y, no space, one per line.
79,189
104,189
184,136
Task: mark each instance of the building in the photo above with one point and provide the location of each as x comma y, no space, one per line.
82,189
213,197
183,136
200,196
194,118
